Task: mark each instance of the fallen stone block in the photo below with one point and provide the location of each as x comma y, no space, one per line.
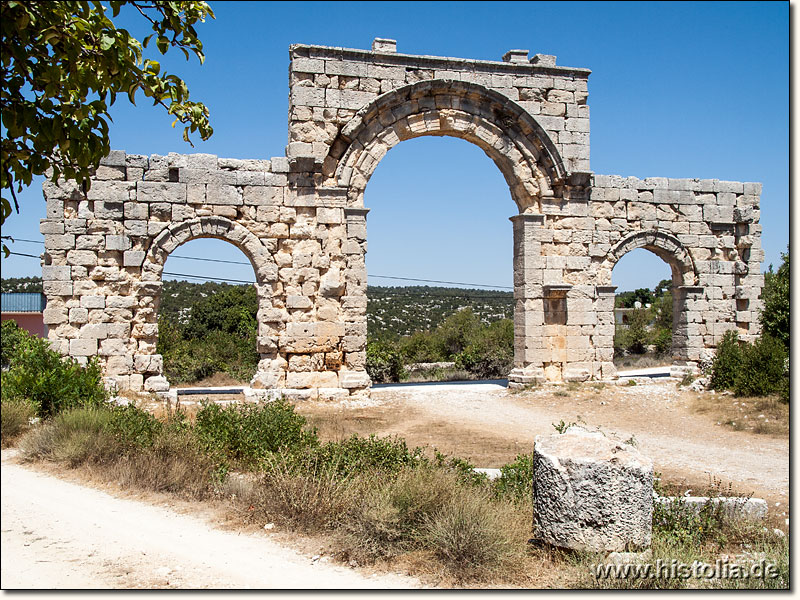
591,493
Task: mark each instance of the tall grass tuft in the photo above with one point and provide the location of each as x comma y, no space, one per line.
15,419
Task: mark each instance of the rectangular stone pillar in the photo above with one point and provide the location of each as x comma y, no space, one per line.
529,341
603,339
687,339
353,374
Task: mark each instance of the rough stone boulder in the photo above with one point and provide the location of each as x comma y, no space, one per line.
591,492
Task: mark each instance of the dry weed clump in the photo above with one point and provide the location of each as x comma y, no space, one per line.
15,420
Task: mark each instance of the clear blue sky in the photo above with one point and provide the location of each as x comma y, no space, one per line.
677,90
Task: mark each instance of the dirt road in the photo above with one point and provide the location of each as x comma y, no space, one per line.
59,535
490,424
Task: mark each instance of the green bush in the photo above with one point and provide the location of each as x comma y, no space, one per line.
384,362
248,433
637,335
51,383
11,335
490,353
727,362
662,339
516,478
762,368
357,454
775,314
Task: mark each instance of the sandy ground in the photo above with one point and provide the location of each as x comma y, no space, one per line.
59,535
490,425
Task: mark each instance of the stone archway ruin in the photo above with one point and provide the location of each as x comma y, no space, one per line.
300,220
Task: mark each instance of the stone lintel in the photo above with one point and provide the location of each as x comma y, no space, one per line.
516,56
691,289
603,290
554,290
531,219
356,212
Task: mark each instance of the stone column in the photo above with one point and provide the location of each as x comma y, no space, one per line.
603,340
353,375
528,301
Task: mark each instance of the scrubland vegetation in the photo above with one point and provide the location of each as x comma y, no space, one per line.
375,500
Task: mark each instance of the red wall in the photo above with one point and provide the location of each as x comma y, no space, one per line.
31,322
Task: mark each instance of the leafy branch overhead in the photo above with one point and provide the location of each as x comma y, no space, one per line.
63,66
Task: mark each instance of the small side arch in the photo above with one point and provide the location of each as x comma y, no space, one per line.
664,245
508,134
175,235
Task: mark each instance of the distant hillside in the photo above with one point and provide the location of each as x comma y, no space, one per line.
391,310
403,310
21,284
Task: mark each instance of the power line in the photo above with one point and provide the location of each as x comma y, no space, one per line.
237,262
206,278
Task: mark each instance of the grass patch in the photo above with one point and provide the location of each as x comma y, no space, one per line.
763,415
15,420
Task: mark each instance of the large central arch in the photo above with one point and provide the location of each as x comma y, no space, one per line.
510,136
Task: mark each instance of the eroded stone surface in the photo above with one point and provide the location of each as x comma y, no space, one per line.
301,221
591,492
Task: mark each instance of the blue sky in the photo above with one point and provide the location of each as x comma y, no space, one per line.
677,90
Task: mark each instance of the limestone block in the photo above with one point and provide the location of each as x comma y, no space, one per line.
57,288
111,191
56,273
78,315
223,194
59,242
591,493
83,347
332,283
298,302
153,191
156,383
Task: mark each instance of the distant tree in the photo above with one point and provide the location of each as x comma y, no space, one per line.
775,314
62,66
663,286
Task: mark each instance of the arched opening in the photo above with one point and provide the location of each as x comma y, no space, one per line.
207,315
228,332
439,264
510,136
652,273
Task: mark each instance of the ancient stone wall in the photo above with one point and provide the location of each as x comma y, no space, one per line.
301,221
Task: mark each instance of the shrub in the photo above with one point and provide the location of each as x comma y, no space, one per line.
74,436
175,462
51,383
516,478
11,335
662,339
637,335
389,518
384,362
248,433
472,534
357,454
775,314
490,354
761,371
309,499
726,362
15,419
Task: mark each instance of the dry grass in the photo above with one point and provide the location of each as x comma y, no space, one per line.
767,415
15,420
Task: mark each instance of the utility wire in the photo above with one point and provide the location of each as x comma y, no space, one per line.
237,262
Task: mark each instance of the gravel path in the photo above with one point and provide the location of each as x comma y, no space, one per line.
59,535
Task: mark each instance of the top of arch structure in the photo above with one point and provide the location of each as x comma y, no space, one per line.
331,88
